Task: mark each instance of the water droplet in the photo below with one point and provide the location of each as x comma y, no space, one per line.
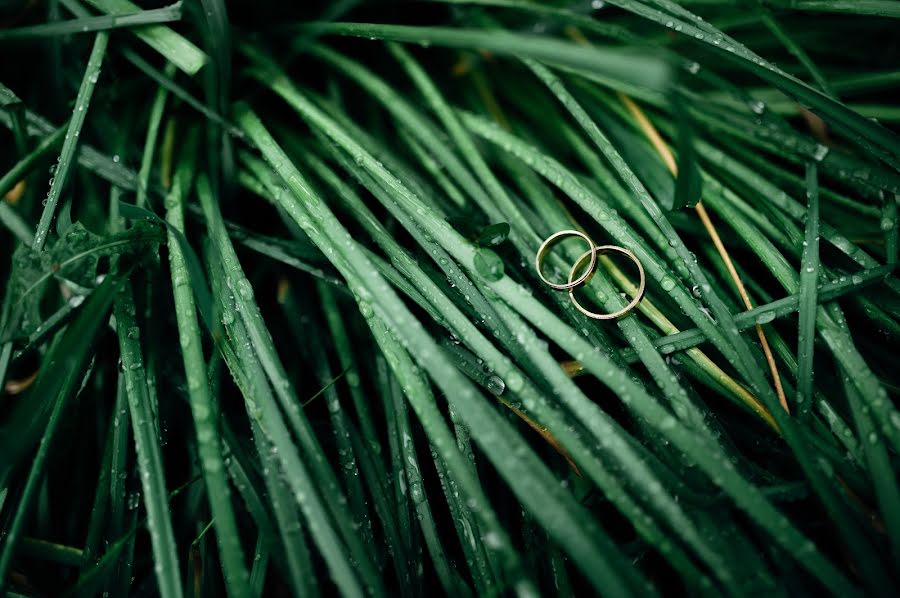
765,318
365,309
820,152
495,385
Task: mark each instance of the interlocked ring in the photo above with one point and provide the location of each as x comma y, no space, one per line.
591,253
631,304
552,240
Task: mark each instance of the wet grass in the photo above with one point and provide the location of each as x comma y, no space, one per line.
272,327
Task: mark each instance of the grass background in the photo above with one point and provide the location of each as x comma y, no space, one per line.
271,324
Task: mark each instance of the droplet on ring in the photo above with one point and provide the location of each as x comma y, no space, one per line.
556,238
634,301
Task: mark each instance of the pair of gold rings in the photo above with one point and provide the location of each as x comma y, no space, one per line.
591,254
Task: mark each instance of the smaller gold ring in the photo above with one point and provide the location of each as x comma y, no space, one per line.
631,305
555,238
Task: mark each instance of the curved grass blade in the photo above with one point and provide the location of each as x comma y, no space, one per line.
15,224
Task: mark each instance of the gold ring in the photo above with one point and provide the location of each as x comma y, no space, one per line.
593,253
552,240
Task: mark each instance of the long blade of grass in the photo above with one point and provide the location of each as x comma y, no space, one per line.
264,347
643,70
478,417
64,164
809,283
147,445
882,477
202,403
762,511
174,47
880,8
57,383
166,14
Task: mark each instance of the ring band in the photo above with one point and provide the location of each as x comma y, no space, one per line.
602,249
555,238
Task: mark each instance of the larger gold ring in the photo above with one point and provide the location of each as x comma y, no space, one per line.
552,240
593,253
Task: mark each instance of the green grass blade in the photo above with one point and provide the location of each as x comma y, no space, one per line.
172,46
292,552
809,282
791,46
463,329
27,163
478,417
882,477
643,70
268,358
166,14
149,452
120,580
60,401
739,352
61,174
880,8
203,407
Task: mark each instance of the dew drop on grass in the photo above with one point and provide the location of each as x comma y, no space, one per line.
245,289
667,423
820,152
495,385
515,382
766,317
365,309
